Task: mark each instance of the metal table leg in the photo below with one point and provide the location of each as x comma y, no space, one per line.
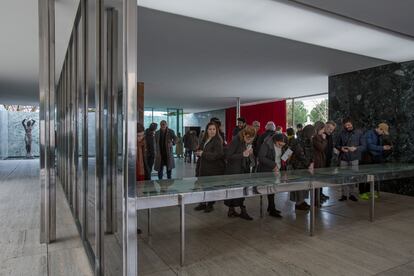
312,211
149,224
371,180
261,206
182,229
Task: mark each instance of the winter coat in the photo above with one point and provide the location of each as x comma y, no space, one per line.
263,137
373,141
211,161
150,142
319,154
329,150
170,140
354,138
267,156
236,162
302,155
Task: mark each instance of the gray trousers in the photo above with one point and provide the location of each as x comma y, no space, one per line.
348,190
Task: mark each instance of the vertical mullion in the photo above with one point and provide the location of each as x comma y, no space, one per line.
129,237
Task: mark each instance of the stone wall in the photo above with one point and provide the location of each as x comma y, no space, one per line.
380,94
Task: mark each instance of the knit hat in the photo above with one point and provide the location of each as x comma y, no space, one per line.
385,128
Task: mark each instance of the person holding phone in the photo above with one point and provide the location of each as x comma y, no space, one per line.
351,144
240,159
210,159
271,160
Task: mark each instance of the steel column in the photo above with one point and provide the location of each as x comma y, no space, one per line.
99,137
130,33
312,210
371,181
47,120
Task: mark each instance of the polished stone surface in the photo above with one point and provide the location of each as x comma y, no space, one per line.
379,94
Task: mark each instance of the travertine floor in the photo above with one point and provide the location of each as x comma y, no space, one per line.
346,243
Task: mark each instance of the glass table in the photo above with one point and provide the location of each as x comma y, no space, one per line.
180,192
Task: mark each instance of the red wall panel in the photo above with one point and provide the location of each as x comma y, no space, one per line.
272,111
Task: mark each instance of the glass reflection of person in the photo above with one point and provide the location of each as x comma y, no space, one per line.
28,127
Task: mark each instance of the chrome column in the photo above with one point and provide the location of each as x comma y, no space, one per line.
99,137
129,220
47,120
312,210
84,96
112,118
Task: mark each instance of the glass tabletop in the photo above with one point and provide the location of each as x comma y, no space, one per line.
331,176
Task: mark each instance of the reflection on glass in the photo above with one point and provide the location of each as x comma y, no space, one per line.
300,179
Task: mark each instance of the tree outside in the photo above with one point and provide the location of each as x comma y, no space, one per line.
300,113
319,112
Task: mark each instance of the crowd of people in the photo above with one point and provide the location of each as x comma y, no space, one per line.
250,151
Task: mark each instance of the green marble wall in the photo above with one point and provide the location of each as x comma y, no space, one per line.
379,94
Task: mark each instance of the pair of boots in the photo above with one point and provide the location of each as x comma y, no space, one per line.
207,207
243,213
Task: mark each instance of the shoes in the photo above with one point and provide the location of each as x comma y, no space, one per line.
208,208
343,198
353,198
302,207
201,206
232,213
324,197
365,196
244,214
275,213
273,209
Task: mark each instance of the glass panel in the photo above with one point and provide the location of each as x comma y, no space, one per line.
298,179
148,118
90,188
79,123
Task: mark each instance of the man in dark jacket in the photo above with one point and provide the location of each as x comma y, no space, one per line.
270,160
164,141
241,124
375,153
299,131
269,131
150,143
330,127
302,158
351,144
374,144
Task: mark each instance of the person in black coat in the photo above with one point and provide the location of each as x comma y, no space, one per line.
302,158
150,145
240,159
270,160
241,124
218,123
211,159
270,130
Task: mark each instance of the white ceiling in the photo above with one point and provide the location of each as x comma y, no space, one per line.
200,65
396,15
19,47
